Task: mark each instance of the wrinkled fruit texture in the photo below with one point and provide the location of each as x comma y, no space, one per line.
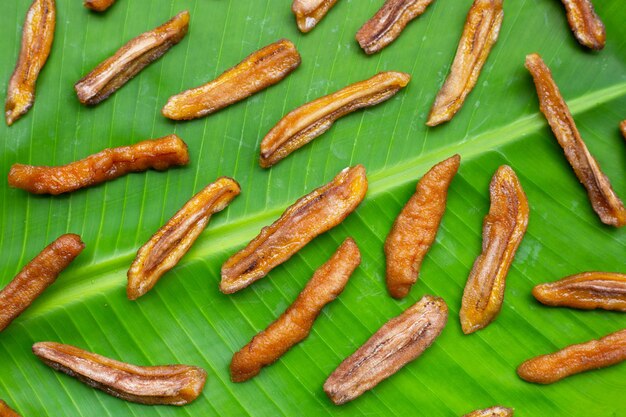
310,12
492,412
585,23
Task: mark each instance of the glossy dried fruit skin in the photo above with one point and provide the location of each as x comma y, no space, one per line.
310,12
547,369
104,166
309,121
37,37
170,384
503,230
263,68
98,5
585,23
479,35
167,246
622,127
398,342
388,23
492,412
36,276
605,202
130,59
587,291
416,226
295,324
6,411
310,216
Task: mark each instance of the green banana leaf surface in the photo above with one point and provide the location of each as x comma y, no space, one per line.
185,318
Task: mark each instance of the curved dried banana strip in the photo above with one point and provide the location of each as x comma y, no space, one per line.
309,121
310,12
37,37
165,248
6,411
503,230
585,23
310,216
605,202
98,5
492,412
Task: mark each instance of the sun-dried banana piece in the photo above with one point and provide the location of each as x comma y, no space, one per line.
6,411
310,12
585,23
98,5
497,411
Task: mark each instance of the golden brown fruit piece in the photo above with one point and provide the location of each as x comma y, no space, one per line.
398,342
167,246
263,68
295,324
130,59
98,5
479,35
36,276
310,12
416,226
106,165
309,121
546,369
503,230
585,23
310,216
622,127
492,412
603,199
170,384
388,23
587,291
37,36
6,411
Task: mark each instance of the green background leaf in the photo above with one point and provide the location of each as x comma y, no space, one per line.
185,319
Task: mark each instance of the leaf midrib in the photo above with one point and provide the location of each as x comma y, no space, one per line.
108,274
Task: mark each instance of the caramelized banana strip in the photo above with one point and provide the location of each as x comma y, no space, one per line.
98,5
388,23
130,59
503,230
622,127
310,12
295,324
585,23
416,226
605,202
258,71
479,35
587,291
37,37
398,342
309,121
310,216
167,246
170,384
6,411
492,412
574,359
106,165
36,276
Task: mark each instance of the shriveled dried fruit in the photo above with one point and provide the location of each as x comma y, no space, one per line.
309,121
6,411
263,68
163,251
295,324
479,35
170,384
586,291
622,127
36,276
492,412
546,369
603,199
130,59
98,5
398,342
106,165
310,12
503,230
37,36
310,216
415,228
388,23
585,23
